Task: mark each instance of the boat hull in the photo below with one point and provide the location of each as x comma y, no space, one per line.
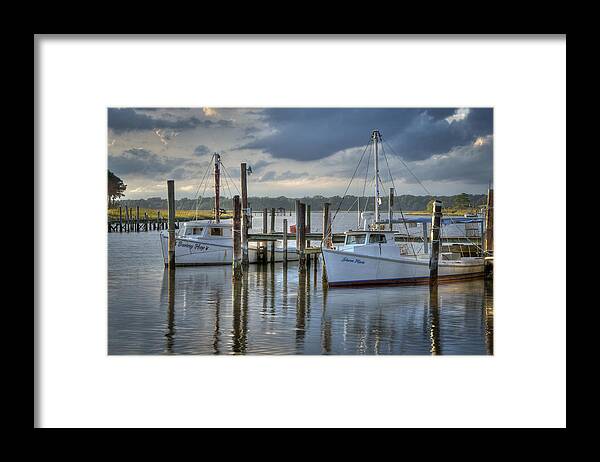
206,252
349,269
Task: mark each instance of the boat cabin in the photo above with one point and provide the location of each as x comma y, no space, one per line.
205,229
369,237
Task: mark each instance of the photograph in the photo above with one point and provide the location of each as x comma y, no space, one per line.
300,231
246,231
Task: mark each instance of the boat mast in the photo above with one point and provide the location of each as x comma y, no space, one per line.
217,188
376,136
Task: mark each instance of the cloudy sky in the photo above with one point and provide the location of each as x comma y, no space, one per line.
300,152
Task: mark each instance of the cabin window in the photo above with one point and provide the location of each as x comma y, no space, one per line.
197,230
216,231
355,239
377,239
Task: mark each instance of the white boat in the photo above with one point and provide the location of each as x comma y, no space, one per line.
207,242
210,242
372,255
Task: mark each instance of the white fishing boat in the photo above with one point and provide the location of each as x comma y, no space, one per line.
210,242
372,255
206,242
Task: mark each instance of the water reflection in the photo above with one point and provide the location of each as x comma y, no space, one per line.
170,335
434,321
240,315
277,309
488,307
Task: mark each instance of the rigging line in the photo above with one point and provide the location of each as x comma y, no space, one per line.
421,184
366,177
347,187
201,182
406,166
400,208
204,176
350,208
230,177
227,184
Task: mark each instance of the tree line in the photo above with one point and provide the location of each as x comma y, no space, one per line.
403,202
408,202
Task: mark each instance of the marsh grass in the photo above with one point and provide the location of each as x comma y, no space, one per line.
113,214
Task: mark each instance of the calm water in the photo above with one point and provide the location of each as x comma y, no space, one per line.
277,311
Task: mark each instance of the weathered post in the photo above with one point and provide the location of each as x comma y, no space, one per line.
146,221
127,218
158,222
436,220
301,236
285,244
297,210
489,222
137,218
245,218
425,238
390,206
120,219
171,203
326,226
271,231
308,213
265,231
489,234
237,238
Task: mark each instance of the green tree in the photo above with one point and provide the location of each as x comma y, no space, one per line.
462,201
116,188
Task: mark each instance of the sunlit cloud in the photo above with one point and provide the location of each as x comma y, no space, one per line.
460,114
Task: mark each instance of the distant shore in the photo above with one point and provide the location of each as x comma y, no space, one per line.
113,213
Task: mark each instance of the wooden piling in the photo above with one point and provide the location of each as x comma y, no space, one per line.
246,220
436,220
285,243
272,230
171,204
489,223
120,220
137,218
158,222
308,220
126,219
265,231
301,236
425,238
237,238
489,235
390,207
327,242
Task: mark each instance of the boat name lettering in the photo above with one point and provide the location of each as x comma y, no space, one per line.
353,260
193,246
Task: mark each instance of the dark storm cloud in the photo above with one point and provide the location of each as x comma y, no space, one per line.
127,119
141,162
287,175
471,164
414,134
201,150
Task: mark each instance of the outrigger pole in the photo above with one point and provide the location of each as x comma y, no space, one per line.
376,136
